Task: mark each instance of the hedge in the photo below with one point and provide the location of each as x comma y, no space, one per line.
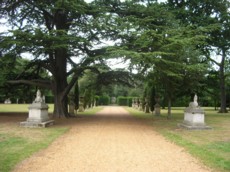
124,101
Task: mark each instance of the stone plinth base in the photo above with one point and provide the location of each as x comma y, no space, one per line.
193,127
194,120
37,124
157,109
81,108
38,116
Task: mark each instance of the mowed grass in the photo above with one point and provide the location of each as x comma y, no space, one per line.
20,108
18,143
212,147
91,111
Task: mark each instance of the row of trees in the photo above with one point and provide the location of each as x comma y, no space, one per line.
169,43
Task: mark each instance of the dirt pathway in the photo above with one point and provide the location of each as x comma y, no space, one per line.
111,141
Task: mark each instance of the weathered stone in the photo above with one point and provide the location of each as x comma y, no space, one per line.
140,107
146,106
194,117
133,103
71,108
157,109
81,105
38,114
7,101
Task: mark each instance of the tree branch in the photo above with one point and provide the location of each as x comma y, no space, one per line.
215,62
35,82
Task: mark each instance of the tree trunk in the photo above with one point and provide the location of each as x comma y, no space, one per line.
60,84
76,95
222,85
60,106
169,107
60,68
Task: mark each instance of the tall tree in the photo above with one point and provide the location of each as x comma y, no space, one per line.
153,39
213,17
53,32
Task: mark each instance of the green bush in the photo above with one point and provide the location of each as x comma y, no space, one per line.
96,98
130,101
124,101
103,100
49,99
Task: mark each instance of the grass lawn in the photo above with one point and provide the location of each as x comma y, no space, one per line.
19,108
18,143
212,147
91,111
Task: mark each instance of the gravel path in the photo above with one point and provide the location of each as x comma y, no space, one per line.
111,141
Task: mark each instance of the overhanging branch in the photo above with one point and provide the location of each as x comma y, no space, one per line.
36,82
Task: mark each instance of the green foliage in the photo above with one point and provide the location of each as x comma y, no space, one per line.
104,100
91,111
88,98
212,19
20,108
96,98
11,68
156,38
76,95
50,99
124,101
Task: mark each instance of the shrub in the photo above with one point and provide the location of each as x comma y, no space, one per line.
124,101
103,100
49,99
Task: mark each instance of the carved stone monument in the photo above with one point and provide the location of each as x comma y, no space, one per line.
71,104
136,103
7,101
140,106
133,102
146,105
71,108
81,105
157,106
38,113
194,117
157,109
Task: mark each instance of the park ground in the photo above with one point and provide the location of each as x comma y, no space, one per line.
114,140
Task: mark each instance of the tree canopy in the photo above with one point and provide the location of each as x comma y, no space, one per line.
170,41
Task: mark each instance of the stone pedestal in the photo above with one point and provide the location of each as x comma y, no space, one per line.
194,118
133,103
140,106
147,108
71,108
7,101
38,113
81,106
38,116
157,109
